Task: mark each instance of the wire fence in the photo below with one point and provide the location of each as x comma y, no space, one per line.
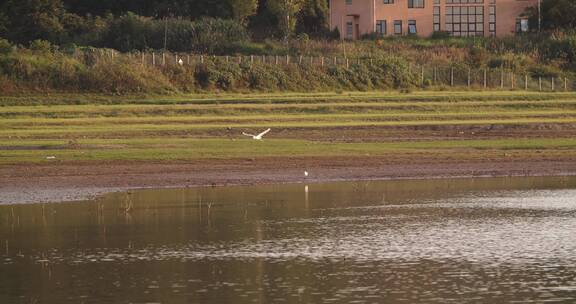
427,75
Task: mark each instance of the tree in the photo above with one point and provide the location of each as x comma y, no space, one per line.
286,11
3,24
26,20
314,17
153,8
556,14
242,9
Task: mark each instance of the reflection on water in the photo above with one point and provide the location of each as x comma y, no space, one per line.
441,241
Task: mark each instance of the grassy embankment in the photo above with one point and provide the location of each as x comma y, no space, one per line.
533,63
420,126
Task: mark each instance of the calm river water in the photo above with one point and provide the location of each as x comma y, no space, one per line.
499,240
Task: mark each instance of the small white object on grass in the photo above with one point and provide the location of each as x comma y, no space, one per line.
50,157
257,137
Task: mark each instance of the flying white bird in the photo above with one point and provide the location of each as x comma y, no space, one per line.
257,137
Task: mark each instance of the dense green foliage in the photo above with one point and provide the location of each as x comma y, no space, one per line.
556,15
207,35
93,22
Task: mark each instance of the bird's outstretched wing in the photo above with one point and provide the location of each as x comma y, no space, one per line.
263,133
246,134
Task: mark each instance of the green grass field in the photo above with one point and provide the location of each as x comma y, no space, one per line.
458,124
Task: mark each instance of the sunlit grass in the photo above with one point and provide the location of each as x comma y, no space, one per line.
282,98
142,129
210,126
233,119
189,149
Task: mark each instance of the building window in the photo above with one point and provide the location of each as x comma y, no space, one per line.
464,1
437,2
397,27
524,25
388,1
465,21
492,20
521,25
349,30
412,27
415,3
348,2
436,19
381,27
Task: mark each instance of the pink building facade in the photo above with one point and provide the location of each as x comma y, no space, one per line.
460,18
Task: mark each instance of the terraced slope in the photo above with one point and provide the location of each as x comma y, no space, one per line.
431,125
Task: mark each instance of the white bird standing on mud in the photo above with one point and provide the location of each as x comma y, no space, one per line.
257,137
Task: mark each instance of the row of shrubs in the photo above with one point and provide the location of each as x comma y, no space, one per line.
206,35
46,71
555,49
45,67
131,32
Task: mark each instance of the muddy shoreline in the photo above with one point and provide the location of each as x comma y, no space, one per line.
57,182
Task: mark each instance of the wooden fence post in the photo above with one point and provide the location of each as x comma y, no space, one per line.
540,83
300,60
512,81
552,84
565,84
188,59
485,78
143,58
163,58
287,59
502,78
452,76
347,63
435,75
526,82
422,75
335,60
322,61
469,80
153,58
276,60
